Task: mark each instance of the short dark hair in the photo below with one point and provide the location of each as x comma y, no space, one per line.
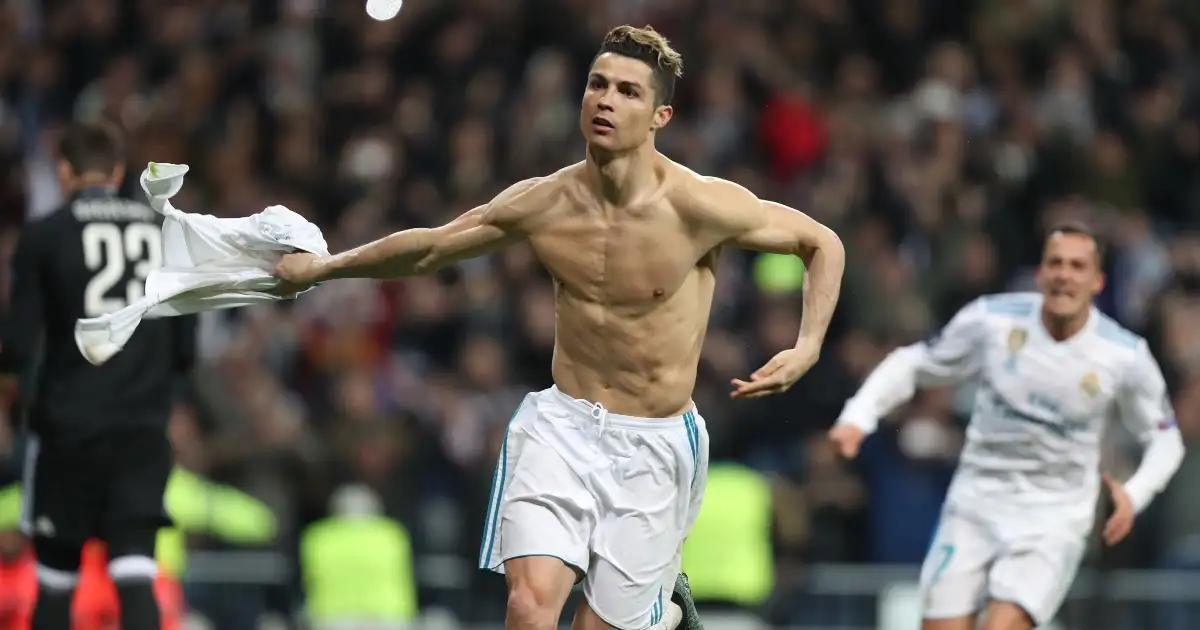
92,147
1077,228
649,46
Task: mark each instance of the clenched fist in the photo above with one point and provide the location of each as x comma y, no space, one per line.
299,268
298,272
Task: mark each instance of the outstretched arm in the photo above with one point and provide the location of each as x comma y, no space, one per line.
482,230
766,226
953,354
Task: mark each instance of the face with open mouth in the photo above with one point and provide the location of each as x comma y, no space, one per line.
1069,275
619,111
602,125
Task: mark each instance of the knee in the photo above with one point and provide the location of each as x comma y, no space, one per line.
530,607
1008,616
538,587
57,565
958,623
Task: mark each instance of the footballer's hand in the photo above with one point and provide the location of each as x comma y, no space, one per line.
1121,522
300,268
779,374
847,439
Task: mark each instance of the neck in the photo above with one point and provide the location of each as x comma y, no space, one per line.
1064,328
90,180
621,177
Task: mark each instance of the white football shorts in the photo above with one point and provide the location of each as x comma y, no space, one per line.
612,496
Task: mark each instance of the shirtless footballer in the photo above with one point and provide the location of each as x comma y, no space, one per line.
601,476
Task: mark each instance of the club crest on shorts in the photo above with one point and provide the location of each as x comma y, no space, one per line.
1090,384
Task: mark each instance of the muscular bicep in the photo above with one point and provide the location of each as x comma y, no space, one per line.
779,229
472,234
765,226
483,230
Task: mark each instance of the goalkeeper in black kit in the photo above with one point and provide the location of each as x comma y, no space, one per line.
97,455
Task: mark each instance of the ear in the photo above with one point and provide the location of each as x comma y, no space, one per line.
118,176
662,116
1101,280
65,172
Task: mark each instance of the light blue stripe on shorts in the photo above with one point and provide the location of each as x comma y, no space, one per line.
693,434
492,525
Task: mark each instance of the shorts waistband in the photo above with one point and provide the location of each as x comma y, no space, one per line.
606,417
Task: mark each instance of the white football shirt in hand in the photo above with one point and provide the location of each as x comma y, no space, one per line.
209,263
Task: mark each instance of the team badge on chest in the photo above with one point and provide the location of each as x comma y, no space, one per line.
1016,340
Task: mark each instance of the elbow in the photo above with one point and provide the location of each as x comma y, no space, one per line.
831,242
422,267
828,245
425,263
1173,448
423,254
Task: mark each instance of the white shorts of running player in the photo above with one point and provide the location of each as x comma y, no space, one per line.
974,560
612,496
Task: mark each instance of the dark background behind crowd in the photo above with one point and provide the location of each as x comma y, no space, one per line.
937,137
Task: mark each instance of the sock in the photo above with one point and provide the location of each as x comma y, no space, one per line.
139,608
53,609
671,617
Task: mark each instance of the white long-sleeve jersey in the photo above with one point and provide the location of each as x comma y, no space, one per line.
1042,405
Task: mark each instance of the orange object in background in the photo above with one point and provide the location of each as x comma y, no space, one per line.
95,607
18,592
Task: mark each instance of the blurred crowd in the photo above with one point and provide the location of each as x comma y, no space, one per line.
937,137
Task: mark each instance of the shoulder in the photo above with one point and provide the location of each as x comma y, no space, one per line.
520,190
529,198
1125,351
1113,337
994,311
714,201
1009,305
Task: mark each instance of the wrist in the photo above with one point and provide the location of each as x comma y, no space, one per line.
809,342
1139,496
857,414
323,269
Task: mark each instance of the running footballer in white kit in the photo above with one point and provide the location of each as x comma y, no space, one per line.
601,476
1051,371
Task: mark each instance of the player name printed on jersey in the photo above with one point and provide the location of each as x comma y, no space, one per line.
113,209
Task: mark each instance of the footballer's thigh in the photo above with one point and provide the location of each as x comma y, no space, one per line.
649,502
954,576
1036,573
